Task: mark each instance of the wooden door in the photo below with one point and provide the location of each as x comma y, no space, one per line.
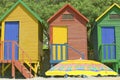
59,44
11,34
108,42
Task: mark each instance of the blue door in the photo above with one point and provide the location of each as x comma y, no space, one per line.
108,43
11,34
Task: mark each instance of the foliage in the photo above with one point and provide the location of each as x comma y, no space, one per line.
46,8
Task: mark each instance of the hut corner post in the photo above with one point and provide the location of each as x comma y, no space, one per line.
13,59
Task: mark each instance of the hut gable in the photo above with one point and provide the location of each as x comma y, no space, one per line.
19,2
68,13
112,13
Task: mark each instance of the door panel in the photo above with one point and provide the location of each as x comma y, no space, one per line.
108,41
11,34
59,35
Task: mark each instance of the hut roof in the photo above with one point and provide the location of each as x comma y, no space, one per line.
66,6
23,4
107,11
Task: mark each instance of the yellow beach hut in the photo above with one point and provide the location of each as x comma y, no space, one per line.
21,39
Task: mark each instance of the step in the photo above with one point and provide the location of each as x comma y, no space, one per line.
24,71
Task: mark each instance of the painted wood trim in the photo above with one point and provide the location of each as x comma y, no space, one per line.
56,48
2,39
61,51
2,32
99,41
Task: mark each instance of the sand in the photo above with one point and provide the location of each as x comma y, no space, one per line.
69,78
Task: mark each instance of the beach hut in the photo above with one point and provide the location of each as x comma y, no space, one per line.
68,35
105,37
21,39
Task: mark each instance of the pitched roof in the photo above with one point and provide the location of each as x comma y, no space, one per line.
67,6
23,4
107,11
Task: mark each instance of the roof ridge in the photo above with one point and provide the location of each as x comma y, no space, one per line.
114,4
25,6
76,11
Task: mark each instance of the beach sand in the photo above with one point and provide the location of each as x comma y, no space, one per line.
68,78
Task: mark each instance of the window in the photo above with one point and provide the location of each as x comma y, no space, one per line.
67,16
114,16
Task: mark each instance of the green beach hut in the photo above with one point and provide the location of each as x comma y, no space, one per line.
106,37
